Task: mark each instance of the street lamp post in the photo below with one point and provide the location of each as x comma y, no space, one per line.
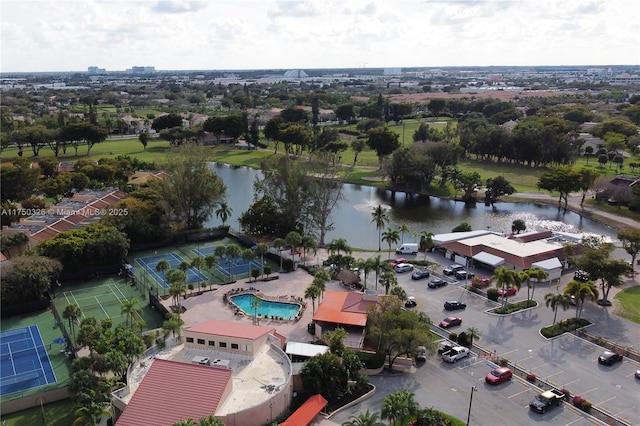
473,389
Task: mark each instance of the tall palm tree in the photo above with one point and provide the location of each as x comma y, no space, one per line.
473,334
256,303
129,309
197,262
364,419
308,244
232,251
403,229
398,406
426,241
338,244
380,218
504,279
261,250
223,212
320,280
377,264
279,243
581,291
72,313
312,292
162,267
388,279
248,255
554,301
210,261
172,325
537,275
177,279
391,236
92,410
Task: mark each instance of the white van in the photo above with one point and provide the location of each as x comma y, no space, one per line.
407,248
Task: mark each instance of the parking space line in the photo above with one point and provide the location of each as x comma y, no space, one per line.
606,400
590,390
516,394
571,382
551,375
507,353
523,359
538,366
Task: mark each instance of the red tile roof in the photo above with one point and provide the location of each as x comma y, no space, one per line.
342,307
231,329
173,391
304,415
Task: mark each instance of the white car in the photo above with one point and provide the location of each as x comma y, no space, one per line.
403,267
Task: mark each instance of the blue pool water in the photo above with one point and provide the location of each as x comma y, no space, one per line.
267,308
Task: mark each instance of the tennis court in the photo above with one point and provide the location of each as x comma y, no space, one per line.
100,302
225,265
149,264
24,362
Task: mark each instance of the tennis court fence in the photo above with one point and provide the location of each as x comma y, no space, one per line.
61,325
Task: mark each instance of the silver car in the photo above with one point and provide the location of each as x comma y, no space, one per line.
403,267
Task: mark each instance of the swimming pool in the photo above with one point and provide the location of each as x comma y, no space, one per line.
267,308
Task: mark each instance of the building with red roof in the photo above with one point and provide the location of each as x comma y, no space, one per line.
308,411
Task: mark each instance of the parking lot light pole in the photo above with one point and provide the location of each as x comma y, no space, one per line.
473,389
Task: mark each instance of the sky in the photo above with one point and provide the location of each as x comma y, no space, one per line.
70,35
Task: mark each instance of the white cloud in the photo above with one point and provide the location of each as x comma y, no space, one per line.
243,34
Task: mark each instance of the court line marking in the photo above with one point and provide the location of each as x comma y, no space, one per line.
37,356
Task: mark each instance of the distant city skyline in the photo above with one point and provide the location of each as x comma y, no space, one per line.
245,34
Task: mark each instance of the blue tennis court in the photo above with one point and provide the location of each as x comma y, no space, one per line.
224,266
149,264
24,362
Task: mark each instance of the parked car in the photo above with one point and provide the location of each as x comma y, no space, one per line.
397,260
546,400
462,274
508,292
420,274
455,353
581,276
450,322
445,347
407,248
421,354
637,374
452,269
410,302
498,375
453,305
403,267
610,358
436,282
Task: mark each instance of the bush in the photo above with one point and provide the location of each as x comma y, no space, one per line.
566,393
255,273
531,377
582,404
453,336
463,339
267,270
503,362
510,308
287,265
563,326
492,294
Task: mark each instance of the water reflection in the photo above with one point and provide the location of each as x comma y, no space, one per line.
352,217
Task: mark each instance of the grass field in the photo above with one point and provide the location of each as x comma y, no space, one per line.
54,414
629,300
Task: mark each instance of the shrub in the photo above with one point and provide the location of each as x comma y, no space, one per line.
453,336
503,362
492,294
287,265
267,270
255,273
566,393
531,377
582,404
463,339
190,287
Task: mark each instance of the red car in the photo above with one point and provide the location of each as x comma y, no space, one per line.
499,375
508,292
397,261
450,322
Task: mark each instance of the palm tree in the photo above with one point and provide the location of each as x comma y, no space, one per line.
538,275
129,308
403,229
294,239
177,279
388,279
162,267
377,265
279,243
320,280
504,279
248,255
210,261
338,244
364,419
72,313
232,251
473,334
172,325
308,244
581,291
312,292
92,411
261,250
380,218
391,236
555,300
256,303
184,266
398,406
197,262
223,212
426,241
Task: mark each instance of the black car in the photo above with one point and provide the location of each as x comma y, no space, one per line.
453,305
462,274
436,282
411,302
420,274
581,276
610,358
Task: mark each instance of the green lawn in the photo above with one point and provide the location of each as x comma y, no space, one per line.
56,414
629,300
